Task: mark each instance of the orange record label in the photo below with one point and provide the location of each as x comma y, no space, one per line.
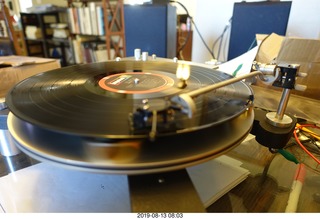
136,82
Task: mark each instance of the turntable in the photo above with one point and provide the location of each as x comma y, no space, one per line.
148,119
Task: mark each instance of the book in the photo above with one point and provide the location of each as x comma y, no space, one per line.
81,48
81,22
93,16
100,19
71,20
76,20
87,21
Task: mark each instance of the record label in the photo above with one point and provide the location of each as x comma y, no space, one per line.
136,83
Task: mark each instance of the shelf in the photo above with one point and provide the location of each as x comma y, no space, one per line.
94,21
38,26
35,40
59,40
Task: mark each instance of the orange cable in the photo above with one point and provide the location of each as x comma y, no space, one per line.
300,144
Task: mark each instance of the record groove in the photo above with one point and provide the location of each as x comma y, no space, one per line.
70,100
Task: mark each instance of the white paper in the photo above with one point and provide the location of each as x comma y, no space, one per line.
215,178
243,62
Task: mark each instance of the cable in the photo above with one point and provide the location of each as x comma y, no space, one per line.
2,208
311,133
288,156
179,52
184,7
311,141
221,39
299,127
195,26
252,44
225,57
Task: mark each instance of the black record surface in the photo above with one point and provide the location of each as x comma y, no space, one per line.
71,100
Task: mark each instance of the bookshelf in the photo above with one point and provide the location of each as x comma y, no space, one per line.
38,35
115,30
10,40
97,30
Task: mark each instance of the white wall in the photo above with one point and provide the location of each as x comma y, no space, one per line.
211,16
304,20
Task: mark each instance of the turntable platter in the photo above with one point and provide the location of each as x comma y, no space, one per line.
96,99
81,116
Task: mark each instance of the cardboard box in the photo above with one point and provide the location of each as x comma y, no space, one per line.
14,69
289,50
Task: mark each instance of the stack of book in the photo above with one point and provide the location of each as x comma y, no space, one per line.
87,20
60,30
87,50
33,32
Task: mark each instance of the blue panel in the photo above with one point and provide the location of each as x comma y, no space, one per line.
146,28
250,18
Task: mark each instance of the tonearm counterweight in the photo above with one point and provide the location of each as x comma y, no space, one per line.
274,129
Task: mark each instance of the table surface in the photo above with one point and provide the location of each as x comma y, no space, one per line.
268,185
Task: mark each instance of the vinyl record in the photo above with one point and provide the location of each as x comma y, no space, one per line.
101,100
117,117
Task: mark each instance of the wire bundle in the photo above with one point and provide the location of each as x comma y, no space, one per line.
304,128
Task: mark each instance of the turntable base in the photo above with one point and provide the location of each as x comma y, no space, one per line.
164,154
